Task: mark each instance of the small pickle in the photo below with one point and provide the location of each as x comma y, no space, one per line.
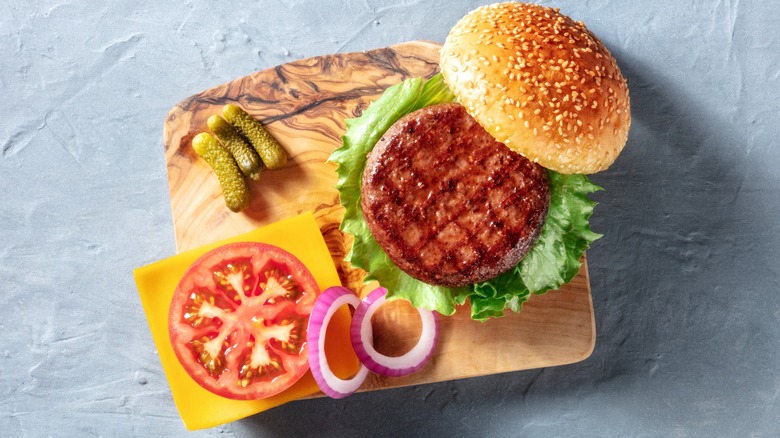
246,157
234,188
270,151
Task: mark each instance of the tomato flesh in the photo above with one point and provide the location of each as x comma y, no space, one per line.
238,320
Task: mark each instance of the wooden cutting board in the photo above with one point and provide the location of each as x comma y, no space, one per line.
304,105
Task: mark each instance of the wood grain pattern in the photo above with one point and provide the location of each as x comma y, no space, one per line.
304,105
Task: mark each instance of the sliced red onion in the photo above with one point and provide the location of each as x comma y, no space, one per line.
363,342
327,304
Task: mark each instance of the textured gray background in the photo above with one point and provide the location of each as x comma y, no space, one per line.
685,282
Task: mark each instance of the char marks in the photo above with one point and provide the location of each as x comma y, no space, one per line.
448,203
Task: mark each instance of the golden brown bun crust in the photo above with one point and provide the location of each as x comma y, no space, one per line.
541,83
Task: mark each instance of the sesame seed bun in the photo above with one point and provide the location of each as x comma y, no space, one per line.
540,83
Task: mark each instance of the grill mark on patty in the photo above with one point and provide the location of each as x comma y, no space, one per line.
448,203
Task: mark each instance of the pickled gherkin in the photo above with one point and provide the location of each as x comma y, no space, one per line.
234,188
246,157
270,151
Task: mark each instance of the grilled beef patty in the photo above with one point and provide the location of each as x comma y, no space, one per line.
448,203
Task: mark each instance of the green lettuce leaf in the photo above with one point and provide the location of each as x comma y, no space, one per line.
552,262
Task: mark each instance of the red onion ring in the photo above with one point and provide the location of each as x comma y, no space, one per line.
324,308
362,339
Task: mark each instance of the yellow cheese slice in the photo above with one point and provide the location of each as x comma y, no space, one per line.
200,408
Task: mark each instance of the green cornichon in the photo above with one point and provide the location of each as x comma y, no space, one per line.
246,157
234,188
269,150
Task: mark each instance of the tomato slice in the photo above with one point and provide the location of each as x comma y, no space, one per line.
238,320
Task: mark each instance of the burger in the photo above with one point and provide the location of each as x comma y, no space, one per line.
471,186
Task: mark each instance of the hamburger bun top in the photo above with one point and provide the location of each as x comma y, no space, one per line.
540,83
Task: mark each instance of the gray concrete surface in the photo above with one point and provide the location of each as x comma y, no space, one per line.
685,282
